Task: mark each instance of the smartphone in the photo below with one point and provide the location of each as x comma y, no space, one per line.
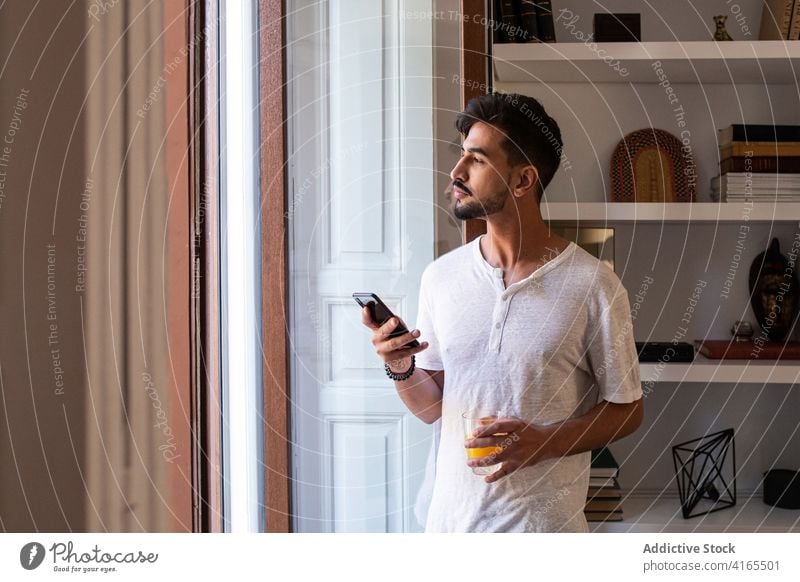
381,314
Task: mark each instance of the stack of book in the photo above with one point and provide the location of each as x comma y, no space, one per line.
758,163
604,499
780,20
741,186
523,21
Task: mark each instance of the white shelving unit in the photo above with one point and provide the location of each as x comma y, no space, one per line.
744,81
771,61
651,514
704,370
670,212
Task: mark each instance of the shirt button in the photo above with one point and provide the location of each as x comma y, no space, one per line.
504,297
497,325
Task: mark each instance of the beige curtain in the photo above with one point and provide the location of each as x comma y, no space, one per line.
138,416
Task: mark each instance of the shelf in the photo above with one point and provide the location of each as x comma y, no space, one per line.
650,514
722,371
702,62
604,212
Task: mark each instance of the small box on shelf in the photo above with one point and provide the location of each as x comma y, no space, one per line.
617,27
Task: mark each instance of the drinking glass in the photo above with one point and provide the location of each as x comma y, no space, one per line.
471,421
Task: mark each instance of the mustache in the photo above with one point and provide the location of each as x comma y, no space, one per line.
457,184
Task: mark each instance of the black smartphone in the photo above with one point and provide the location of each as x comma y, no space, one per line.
381,314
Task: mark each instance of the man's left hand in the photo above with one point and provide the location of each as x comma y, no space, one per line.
523,445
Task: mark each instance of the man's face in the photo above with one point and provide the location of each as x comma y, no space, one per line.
480,180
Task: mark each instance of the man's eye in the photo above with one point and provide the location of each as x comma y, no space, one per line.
476,160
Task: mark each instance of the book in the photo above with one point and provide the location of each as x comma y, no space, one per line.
777,177
603,482
794,25
748,132
763,197
499,35
749,350
765,194
728,190
730,194
603,515
759,164
527,21
544,21
717,197
765,182
604,493
776,17
508,20
603,464
759,148
603,505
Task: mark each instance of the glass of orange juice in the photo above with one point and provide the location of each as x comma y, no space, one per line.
472,421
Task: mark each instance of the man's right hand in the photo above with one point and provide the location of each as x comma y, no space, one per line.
391,350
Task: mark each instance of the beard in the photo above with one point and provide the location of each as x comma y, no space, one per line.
470,207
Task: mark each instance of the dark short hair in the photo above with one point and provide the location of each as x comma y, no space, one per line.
532,136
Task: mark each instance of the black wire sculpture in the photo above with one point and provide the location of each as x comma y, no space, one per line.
701,470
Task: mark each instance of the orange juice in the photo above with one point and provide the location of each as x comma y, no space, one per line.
471,423
480,452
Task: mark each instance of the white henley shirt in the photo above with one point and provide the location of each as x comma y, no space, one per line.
547,348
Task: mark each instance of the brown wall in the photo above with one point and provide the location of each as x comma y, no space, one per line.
447,104
41,421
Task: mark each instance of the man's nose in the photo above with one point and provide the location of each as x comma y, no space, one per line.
458,172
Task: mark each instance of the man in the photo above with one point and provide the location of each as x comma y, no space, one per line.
528,327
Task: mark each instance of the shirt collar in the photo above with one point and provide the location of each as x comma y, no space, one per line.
498,273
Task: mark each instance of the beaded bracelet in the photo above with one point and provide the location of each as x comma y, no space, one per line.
403,376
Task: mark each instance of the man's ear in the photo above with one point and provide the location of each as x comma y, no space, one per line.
526,179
